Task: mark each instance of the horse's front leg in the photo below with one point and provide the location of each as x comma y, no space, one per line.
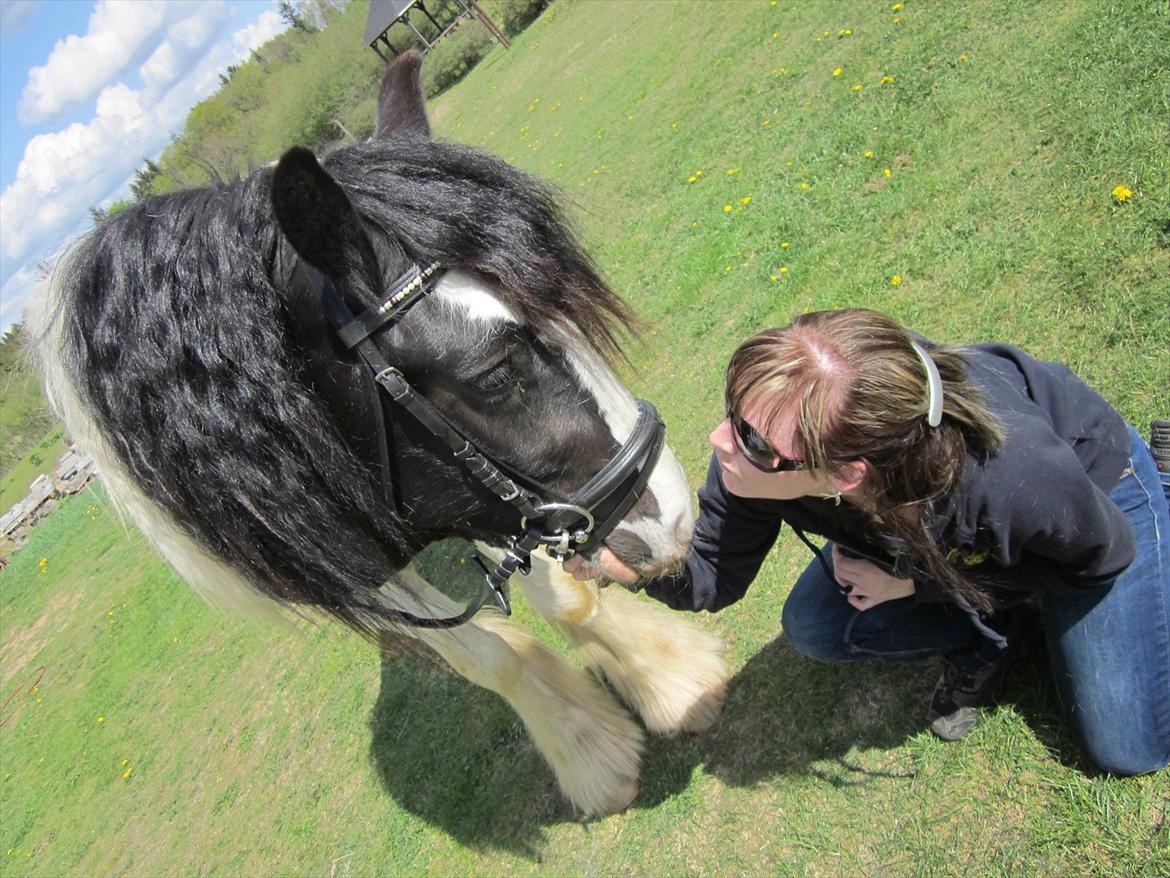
665,666
590,741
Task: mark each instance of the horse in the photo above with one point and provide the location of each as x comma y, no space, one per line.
294,382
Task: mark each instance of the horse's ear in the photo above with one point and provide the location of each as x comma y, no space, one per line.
317,218
401,106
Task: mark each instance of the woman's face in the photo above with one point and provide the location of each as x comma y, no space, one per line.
745,480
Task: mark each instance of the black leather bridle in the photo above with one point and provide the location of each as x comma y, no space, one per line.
563,524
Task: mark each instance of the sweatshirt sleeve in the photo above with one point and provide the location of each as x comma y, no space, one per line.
732,537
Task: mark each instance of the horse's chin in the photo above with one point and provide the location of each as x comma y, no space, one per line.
653,568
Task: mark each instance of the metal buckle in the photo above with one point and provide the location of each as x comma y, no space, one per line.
547,508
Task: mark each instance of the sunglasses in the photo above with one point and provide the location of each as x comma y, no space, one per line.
759,451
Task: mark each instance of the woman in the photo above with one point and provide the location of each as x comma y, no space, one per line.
955,486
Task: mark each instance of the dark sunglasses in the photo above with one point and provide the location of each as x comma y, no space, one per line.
759,451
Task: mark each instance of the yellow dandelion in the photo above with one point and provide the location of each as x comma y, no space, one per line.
101,719
805,185
746,200
896,7
897,19
857,86
1122,194
692,178
785,244
699,172
727,268
964,57
886,172
731,171
673,124
837,71
772,278
845,32
775,34
784,269
868,153
766,122
125,761
895,280
826,33
888,80
727,208
695,224
126,774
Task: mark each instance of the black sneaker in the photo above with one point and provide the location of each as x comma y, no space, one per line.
1160,444
961,690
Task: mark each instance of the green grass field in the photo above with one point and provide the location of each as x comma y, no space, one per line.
143,733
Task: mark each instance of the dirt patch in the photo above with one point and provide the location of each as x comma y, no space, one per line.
21,644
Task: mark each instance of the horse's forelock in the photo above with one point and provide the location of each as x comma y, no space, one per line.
463,208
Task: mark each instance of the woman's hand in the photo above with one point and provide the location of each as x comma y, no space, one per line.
866,585
608,563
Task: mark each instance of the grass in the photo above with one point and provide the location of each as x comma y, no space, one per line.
260,750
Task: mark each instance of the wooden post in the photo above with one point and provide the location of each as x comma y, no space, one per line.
489,24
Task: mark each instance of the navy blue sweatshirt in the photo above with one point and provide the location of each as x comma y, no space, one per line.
1034,518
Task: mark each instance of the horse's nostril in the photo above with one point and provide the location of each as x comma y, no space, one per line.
630,547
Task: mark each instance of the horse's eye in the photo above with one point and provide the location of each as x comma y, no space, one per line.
496,380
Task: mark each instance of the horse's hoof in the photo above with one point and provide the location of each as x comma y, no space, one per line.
704,713
623,796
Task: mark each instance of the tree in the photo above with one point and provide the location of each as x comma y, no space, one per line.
293,16
144,180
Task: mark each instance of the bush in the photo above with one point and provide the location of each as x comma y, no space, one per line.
452,58
513,16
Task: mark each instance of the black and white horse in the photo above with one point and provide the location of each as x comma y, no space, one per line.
194,346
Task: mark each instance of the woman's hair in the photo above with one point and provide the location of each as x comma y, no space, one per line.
860,392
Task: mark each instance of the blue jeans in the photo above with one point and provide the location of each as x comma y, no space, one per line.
1109,646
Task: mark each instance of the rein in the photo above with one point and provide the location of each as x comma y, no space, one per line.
563,524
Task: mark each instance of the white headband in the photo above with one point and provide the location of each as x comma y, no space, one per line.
934,383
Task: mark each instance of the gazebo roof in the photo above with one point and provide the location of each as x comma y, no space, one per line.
383,13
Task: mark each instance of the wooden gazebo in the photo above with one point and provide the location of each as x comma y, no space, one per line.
385,14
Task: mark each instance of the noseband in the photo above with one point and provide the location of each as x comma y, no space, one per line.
563,524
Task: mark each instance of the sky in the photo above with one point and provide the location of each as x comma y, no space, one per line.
90,89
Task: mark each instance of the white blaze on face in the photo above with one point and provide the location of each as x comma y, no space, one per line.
474,298
667,536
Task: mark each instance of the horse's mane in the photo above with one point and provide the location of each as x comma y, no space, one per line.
177,340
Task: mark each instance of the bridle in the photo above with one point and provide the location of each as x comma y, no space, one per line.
563,524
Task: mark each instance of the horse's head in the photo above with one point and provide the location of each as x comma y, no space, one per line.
505,345
189,350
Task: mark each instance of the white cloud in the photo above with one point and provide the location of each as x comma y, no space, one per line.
79,67
259,32
15,295
184,45
64,173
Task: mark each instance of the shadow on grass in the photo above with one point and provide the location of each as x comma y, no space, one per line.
457,757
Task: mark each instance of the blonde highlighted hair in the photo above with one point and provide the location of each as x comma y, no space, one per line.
854,389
